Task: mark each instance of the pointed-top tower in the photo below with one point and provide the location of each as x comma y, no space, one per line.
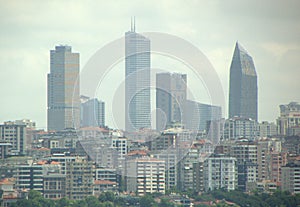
243,85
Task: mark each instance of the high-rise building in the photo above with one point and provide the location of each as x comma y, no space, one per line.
145,175
92,113
237,128
63,89
220,172
170,98
198,114
137,81
15,134
243,85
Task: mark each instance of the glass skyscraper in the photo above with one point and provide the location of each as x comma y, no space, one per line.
63,89
137,82
171,94
243,85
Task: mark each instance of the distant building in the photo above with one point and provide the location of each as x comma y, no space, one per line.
63,89
197,114
79,179
247,164
220,172
198,177
145,175
290,178
289,120
215,130
5,150
171,94
237,128
31,176
92,113
243,85
171,171
267,129
15,134
137,81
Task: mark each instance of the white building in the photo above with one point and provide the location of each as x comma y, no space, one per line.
237,127
220,172
145,175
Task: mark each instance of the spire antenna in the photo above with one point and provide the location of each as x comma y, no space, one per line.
131,25
134,23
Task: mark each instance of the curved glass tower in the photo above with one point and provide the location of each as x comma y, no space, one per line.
243,85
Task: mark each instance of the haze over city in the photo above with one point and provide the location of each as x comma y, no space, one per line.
268,30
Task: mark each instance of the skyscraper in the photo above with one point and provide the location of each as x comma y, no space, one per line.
243,85
170,98
137,81
63,89
92,113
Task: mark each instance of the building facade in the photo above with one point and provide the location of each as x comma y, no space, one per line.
243,85
137,81
171,94
145,175
63,106
92,113
289,121
290,178
237,128
198,114
220,172
15,134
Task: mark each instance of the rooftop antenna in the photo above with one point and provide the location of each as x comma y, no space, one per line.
131,25
134,23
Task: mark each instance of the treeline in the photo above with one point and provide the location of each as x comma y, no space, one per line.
276,199
109,199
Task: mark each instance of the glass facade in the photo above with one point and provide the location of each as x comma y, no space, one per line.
243,85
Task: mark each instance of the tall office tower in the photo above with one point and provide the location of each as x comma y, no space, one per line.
243,85
92,113
63,89
170,98
137,82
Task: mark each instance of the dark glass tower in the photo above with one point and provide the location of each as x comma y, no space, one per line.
243,85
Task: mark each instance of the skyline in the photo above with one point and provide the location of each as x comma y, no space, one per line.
29,33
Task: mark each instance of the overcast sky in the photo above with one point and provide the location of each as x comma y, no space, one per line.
269,30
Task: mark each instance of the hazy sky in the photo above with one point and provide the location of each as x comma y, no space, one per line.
269,30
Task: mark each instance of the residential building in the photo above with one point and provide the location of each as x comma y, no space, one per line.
31,176
247,165
79,179
236,128
171,95
267,129
289,120
5,150
137,81
145,175
220,172
290,178
63,106
15,134
243,85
